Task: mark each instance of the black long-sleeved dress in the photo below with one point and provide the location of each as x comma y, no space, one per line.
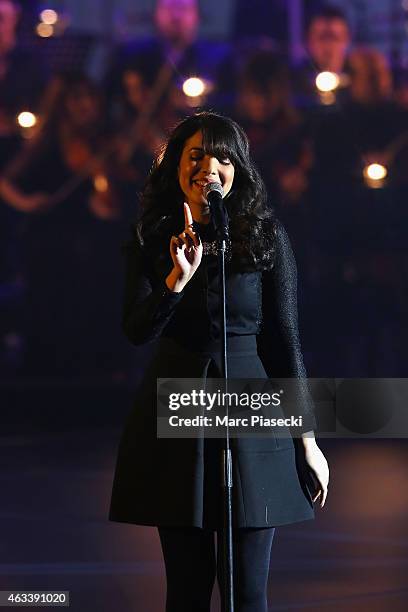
175,482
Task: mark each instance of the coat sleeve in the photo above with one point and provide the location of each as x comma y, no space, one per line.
278,342
147,307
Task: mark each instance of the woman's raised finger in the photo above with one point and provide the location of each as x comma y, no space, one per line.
188,217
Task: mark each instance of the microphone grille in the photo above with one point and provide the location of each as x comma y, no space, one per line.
217,187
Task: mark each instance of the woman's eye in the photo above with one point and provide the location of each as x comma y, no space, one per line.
225,161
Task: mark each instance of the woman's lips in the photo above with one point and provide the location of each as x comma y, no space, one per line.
198,186
202,184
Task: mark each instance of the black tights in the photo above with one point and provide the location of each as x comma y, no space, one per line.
191,567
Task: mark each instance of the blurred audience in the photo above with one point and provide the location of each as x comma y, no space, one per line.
69,238
364,130
69,188
22,78
354,223
69,141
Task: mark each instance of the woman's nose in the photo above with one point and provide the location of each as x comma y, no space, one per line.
210,165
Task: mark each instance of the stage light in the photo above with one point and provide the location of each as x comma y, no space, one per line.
193,87
101,183
25,119
376,172
49,16
327,81
44,30
374,175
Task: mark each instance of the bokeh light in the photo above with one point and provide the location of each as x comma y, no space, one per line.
193,87
44,30
101,183
375,172
374,175
327,81
26,119
49,16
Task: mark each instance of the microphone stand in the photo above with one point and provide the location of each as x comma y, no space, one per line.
226,453
214,194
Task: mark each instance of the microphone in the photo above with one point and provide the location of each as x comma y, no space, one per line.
213,193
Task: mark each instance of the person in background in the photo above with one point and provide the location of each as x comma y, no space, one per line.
346,138
275,130
264,104
174,53
327,41
371,116
137,137
353,224
71,135
60,185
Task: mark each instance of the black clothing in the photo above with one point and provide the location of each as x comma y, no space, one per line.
161,481
262,304
191,566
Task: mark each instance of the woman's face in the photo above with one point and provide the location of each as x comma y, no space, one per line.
196,169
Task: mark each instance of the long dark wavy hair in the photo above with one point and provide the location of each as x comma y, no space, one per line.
252,221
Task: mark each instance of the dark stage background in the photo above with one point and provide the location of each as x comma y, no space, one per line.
81,118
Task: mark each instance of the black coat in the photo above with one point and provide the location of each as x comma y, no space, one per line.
161,481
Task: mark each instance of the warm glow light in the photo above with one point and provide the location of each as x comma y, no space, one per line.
375,172
26,119
101,183
327,97
45,30
327,81
193,87
49,16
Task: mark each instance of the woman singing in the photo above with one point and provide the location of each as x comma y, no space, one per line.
171,294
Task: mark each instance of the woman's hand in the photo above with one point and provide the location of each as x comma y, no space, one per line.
186,251
319,469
